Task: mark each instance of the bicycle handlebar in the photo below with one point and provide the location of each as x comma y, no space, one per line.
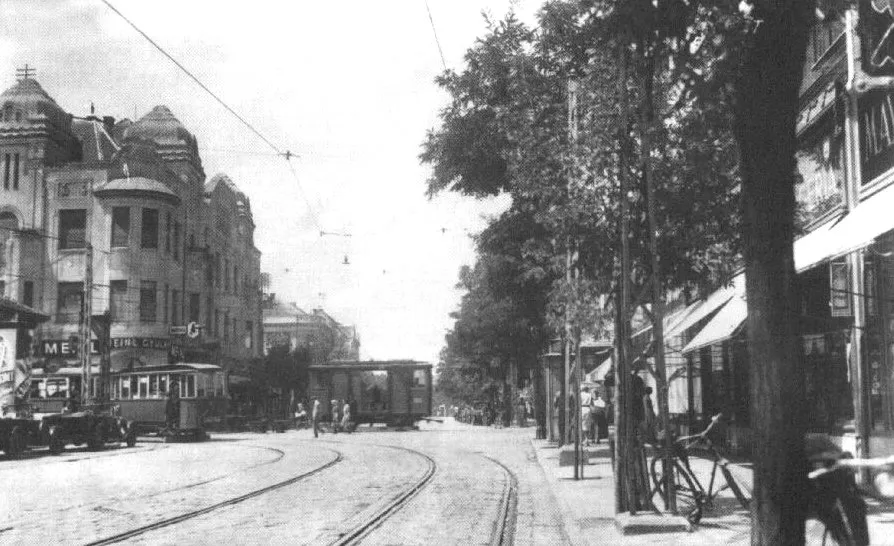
701,435
877,463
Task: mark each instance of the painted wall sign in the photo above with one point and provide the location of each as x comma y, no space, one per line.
65,348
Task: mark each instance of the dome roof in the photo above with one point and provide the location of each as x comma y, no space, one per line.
160,126
30,99
140,158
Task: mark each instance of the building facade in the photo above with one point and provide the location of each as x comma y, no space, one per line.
325,339
171,255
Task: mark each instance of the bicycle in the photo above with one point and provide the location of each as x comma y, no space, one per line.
687,485
835,499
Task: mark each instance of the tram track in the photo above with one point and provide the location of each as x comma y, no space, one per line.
185,516
356,534
504,525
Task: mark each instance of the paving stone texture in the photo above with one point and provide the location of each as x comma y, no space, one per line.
83,496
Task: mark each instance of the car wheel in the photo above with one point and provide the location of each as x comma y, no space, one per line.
15,445
56,444
97,438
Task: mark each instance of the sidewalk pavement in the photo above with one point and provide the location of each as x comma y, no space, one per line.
588,506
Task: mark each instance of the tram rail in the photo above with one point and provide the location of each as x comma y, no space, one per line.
168,522
504,525
359,532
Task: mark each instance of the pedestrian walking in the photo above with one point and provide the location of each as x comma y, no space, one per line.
346,417
520,412
334,416
315,417
600,412
560,412
586,410
172,407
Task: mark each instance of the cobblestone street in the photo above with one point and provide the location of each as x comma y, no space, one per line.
94,496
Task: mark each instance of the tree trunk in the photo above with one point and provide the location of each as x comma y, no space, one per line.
766,110
541,398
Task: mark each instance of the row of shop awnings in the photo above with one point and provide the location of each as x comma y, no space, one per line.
726,308
725,311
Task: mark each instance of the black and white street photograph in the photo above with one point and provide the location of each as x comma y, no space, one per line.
447,272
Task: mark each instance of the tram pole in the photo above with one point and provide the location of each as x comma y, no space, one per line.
85,328
853,175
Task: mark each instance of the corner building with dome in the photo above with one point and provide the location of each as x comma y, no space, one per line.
172,251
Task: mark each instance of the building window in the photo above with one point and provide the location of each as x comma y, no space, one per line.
165,307
68,302
9,224
226,275
177,241
148,300
7,165
3,288
72,228
175,306
216,323
194,307
28,296
249,334
235,279
226,326
149,236
168,233
15,172
120,226
118,300
209,314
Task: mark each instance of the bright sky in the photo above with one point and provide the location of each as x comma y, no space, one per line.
348,86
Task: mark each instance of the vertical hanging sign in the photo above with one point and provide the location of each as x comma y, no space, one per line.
839,293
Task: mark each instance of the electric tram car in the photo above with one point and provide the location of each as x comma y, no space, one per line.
393,392
141,395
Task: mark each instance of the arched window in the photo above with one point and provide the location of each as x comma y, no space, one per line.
18,115
8,224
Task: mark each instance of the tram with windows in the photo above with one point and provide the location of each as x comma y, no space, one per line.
141,395
198,390
393,392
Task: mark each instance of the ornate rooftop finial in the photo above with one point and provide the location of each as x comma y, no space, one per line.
25,73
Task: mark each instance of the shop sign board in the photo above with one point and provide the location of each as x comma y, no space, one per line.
65,348
839,293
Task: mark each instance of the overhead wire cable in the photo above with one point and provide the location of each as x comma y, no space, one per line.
287,154
435,32
196,80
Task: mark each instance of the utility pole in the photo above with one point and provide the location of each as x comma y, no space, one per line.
86,331
853,175
569,279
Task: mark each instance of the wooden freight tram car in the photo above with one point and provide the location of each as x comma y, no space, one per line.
393,392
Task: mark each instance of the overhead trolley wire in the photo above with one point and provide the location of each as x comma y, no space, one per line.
198,82
435,32
288,155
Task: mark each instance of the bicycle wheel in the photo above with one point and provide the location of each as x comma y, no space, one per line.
841,511
742,493
686,487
